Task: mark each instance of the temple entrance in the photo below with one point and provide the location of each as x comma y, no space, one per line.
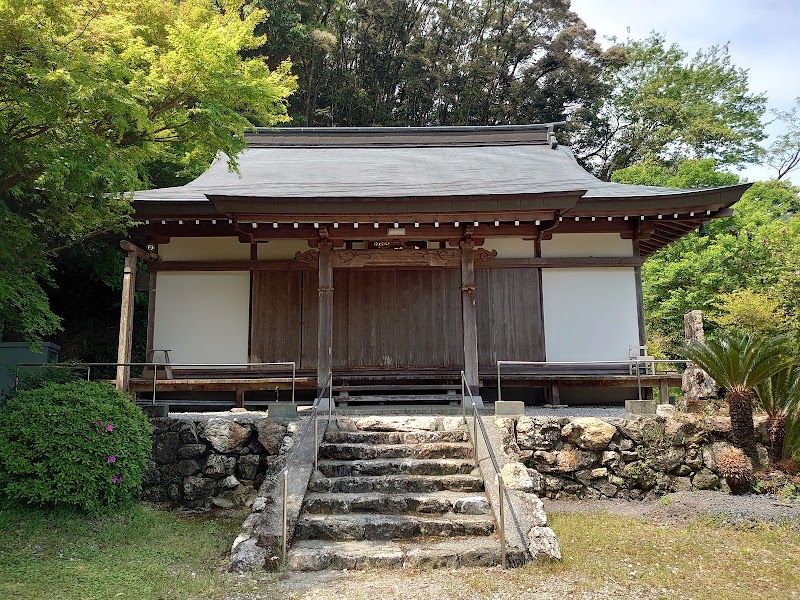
387,318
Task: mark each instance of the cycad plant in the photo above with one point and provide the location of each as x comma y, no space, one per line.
779,396
738,363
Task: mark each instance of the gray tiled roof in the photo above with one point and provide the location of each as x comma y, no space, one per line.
430,162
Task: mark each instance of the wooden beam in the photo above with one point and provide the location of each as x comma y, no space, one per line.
138,252
442,258
231,265
126,320
469,315
325,316
560,263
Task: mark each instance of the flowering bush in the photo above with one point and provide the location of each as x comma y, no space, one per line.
83,443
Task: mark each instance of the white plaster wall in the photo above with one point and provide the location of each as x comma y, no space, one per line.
511,247
589,314
202,317
586,244
204,248
281,249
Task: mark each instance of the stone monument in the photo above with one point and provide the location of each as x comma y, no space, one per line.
698,388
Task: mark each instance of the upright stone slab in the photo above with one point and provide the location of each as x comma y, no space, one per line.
698,388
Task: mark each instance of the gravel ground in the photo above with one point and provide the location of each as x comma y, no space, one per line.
680,508
602,412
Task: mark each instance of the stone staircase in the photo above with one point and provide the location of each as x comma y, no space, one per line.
394,492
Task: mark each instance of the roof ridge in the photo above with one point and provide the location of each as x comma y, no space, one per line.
392,137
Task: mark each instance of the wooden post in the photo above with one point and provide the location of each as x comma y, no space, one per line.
637,273
325,327
126,321
663,392
555,394
151,315
469,314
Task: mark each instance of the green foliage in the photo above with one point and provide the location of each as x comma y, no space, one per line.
779,396
34,378
93,94
758,249
741,362
79,444
697,173
748,311
665,106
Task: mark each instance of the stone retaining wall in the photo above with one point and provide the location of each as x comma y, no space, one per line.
216,460
634,458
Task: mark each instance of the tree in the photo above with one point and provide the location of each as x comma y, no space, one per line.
783,154
779,396
91,94
435,62
666,107
758,249
739,364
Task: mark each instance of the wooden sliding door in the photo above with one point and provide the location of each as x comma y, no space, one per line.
510,325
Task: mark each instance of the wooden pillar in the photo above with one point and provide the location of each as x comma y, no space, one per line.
637,271
663,392
151,315
325,326
469,314
126,321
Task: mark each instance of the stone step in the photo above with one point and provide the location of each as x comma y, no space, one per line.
402,466
371,451
318,555
395,437
360,526
399,423
431,503
397,484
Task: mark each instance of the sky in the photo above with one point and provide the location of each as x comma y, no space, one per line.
763,36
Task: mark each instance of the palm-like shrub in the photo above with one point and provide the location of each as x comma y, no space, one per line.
779,396
735,468
739,363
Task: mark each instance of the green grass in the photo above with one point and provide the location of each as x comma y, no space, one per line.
144,552
149,553
703,560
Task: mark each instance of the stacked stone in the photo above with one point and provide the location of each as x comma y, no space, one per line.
204,462
635,459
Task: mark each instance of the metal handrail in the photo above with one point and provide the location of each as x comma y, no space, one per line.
314,417
465,390
155,366
637,361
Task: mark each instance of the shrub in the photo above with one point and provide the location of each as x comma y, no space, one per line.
82,444
38,377
735,468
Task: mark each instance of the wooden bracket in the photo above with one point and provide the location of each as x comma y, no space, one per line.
138,252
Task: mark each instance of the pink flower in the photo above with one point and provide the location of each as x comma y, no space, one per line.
109,428
118,479
112,459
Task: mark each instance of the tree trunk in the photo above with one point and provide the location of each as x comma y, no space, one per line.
777,433
741,411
